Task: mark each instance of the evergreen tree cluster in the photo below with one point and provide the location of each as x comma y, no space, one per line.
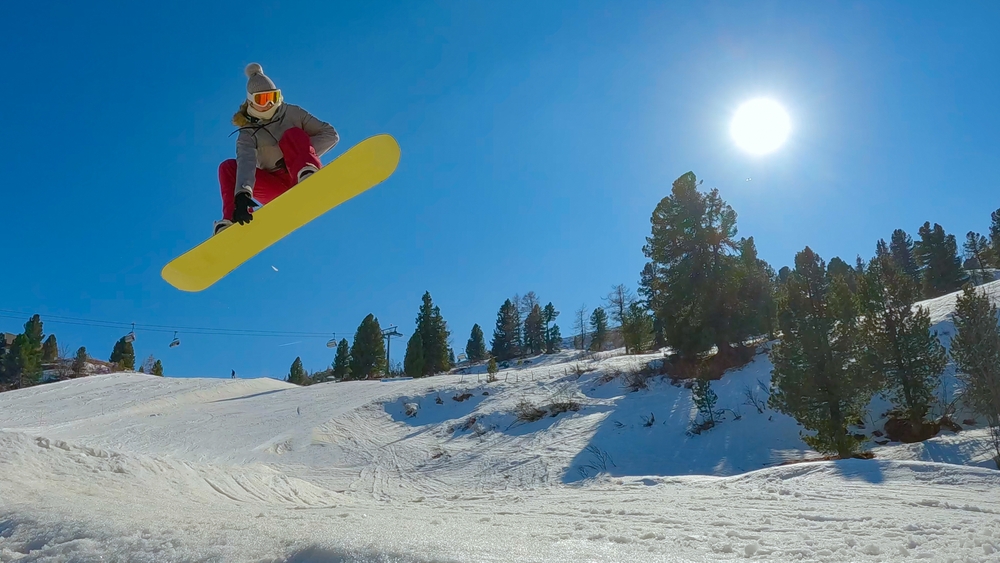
365,358
976,350
512,338
123,354
21,362
841,345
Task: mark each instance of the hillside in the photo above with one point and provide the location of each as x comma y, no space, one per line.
143,468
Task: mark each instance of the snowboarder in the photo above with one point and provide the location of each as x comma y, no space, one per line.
278,146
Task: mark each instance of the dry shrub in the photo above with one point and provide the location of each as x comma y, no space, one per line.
525,411
699,427
462,397
610,375
903,430
565,405
709,367
635,378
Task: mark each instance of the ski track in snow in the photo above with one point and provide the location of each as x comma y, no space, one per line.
128,467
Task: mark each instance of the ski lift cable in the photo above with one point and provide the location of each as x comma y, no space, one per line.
203,331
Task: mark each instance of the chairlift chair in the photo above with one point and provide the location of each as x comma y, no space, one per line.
175,342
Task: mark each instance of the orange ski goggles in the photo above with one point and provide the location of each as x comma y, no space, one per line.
265,99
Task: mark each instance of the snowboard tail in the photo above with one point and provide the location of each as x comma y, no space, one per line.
363,166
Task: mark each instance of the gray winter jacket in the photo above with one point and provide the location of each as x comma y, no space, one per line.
257,143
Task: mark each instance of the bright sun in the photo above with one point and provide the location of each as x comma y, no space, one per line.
760,126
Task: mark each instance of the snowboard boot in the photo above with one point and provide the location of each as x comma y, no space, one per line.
222,225
306,171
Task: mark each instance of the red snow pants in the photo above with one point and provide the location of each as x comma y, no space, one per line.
297,150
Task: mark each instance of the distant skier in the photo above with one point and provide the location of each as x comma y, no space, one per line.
278,146
234,374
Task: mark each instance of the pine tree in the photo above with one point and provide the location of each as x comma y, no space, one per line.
413,362
976,350
815,378
977,249
342,362
637,329
15,359
157,368
899,347
941,269
434,337
755,304
691,246
837,267
534,331
50,349
475,349
903,254
652,293
506,342
783,274
3,358
492,369
599,325
368,351
123,355
553,338
296,373
80,361
554,343
29,352
995,238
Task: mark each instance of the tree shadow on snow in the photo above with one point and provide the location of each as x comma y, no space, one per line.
646,433
867,470
962,452
250,396
436,406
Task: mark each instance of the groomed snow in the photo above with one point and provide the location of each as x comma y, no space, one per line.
128,467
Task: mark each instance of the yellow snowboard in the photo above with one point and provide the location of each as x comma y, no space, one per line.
363,166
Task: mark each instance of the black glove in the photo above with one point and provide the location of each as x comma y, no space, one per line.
244,208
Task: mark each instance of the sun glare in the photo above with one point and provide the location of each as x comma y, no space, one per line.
760,126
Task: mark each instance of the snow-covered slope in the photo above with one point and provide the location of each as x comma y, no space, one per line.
127,467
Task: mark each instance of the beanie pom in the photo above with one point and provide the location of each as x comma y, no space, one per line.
254,68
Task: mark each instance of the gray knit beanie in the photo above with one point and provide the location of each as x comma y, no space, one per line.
257,81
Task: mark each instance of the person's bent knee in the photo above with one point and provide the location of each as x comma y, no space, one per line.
228,167
295,134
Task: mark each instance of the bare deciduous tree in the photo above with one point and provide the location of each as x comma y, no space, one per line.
527,303
619,301
580,341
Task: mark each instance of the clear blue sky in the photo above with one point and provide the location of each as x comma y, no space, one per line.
537,137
